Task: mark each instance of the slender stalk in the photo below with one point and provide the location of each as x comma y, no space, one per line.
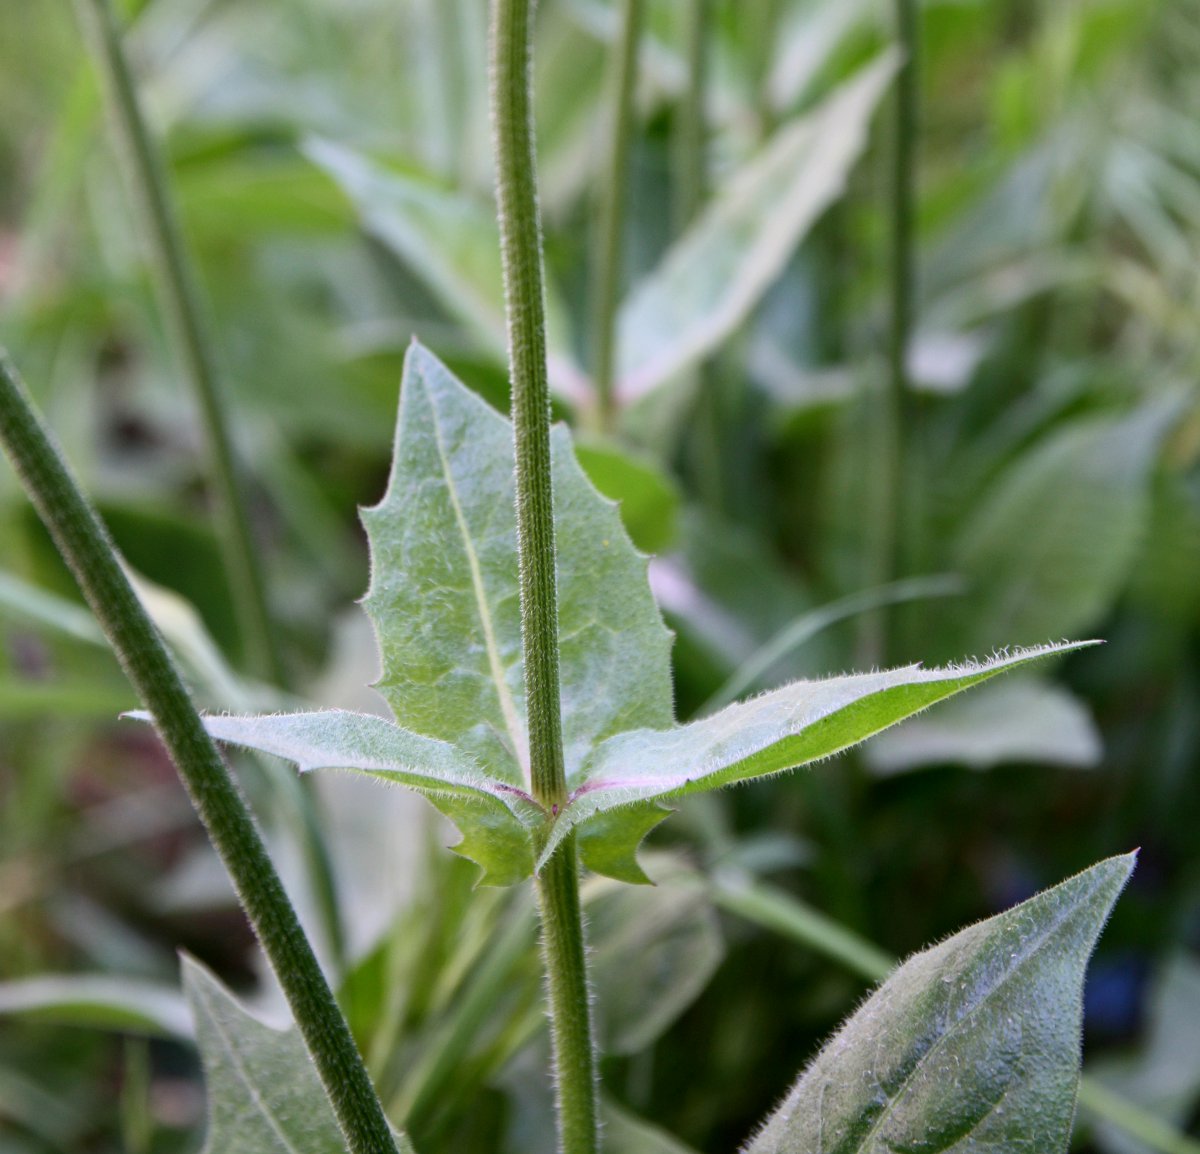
179,298
888,417
565,963
897,526
525,301
558,886
85,544
692,179
775,909
902,214
610,231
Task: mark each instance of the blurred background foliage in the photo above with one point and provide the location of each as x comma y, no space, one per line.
331,166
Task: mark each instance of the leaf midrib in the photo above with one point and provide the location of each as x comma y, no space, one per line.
508,707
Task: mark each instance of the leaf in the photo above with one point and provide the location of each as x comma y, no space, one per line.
494,818
1017,719
785,728
445,602
971,1045
451,241
1052,545
717,272
264,1096
444,594
101,1001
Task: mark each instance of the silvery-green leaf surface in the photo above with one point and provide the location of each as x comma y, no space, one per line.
972,1045
787,727
709,281
264,1096
444,593
444,600
494,818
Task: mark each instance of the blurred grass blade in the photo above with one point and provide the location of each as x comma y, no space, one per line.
809,625
709,281
132,1005
29,603
180,298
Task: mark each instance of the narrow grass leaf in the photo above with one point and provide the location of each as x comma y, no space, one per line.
98,1001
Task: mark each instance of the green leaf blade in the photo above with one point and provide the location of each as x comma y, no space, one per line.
264,1096
614,651
494,818
971,1045
445,594
780,730
1051,545
713,277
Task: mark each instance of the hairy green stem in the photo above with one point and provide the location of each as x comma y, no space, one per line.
565,963
558,886
610,231
776,910
179,299
692,170
525,301
85,544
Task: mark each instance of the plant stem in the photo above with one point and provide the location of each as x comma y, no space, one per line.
692,186
558,886
525,301
565,962
899,408
85,544
610,232
775,909
179,298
